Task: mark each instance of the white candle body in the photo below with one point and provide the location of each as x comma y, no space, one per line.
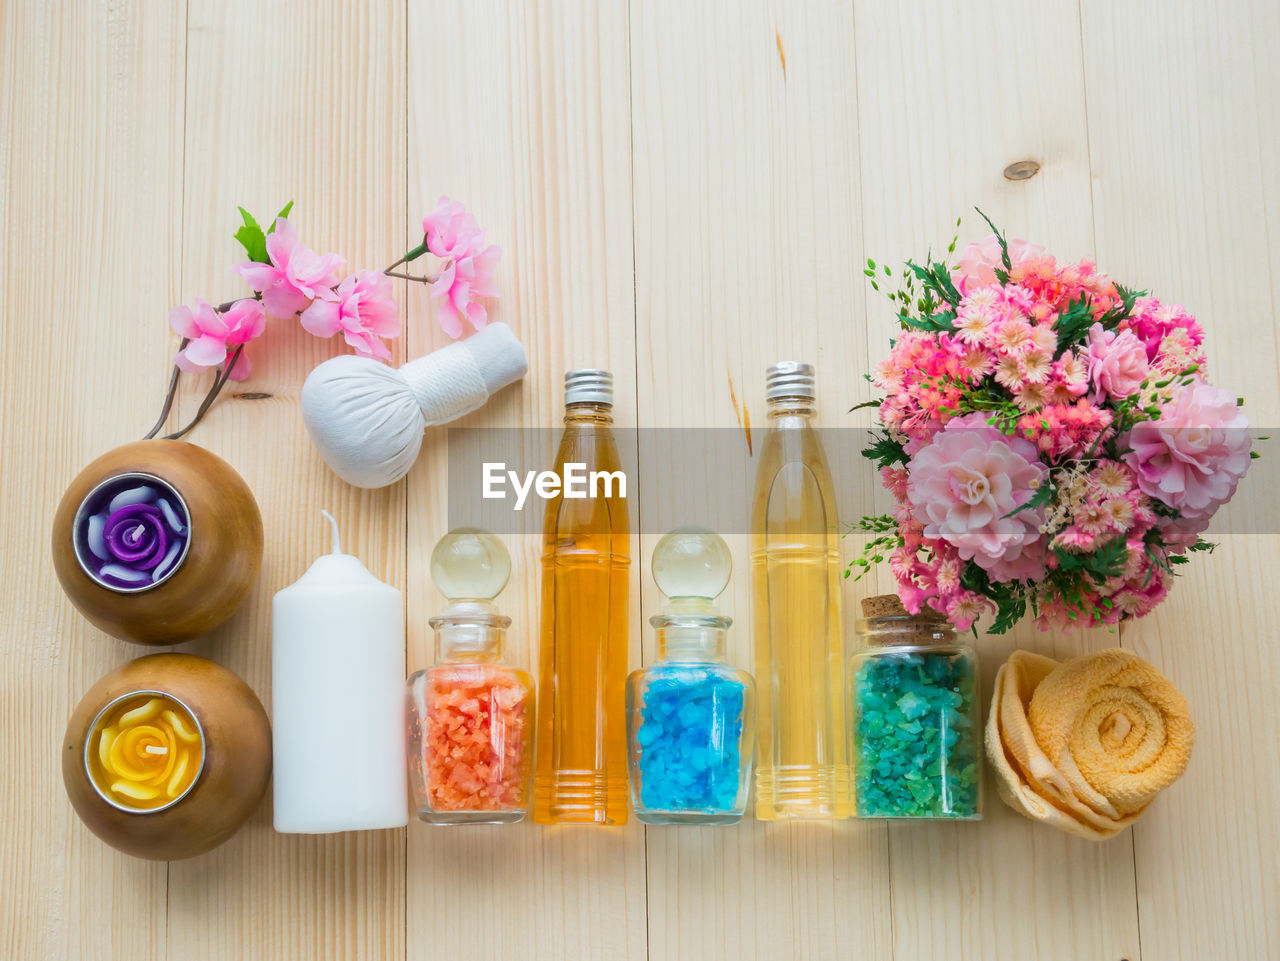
337,683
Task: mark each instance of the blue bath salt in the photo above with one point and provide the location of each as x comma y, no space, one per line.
689,741
916,749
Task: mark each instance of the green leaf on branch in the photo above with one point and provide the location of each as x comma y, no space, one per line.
1009,610
1043,494
1004,248
1121,311
252,237
886,452
936,280
1101,565
1073,323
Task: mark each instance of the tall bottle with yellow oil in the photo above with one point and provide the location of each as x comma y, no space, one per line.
581,770
802,769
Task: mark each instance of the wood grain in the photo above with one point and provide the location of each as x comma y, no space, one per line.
315,115
684,193
526,120
1196,221
90,106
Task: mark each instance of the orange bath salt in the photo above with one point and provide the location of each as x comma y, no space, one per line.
471,739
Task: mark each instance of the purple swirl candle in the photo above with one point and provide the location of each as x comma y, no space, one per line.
132,532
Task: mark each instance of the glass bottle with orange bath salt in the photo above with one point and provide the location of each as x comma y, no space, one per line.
470,716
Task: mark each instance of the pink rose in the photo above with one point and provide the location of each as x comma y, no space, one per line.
1193,456
210,334
963,487
362,308
296,274
977,265
1117,362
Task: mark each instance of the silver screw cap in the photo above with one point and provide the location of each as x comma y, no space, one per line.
789,378
589,385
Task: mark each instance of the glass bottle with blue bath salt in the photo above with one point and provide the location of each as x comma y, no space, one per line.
690,716
916,737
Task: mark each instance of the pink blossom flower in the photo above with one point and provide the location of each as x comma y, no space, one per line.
1153,321
1044,338
977,265
1013,336
453,235
1036,366
966,607
296,274
965,488
1193,456
1072,373
362,308
1009,373
459,283
211,333
1117,362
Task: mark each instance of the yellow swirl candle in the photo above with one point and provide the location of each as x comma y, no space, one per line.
145,751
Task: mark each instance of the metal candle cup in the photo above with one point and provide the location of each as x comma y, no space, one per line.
166,740
132,532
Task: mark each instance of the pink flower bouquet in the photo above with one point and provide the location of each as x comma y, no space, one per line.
1049,438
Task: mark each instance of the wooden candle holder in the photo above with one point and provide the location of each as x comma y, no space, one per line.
212,578
235,757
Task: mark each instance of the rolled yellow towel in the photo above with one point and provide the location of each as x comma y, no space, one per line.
1085,745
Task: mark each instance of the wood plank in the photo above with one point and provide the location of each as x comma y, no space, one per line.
948,101
1185,191
747,240
90,102
304,104
523,115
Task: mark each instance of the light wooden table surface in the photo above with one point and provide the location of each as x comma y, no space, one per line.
684,193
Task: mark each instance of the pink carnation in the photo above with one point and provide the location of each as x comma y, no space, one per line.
1193,456
1117,362
1151,321
211,334
296,274
362,308
965,486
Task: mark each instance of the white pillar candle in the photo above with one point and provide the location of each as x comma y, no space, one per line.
337,690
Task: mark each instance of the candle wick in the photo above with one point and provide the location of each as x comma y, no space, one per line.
156,749
337,544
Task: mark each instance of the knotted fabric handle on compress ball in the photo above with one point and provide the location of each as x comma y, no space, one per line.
367,419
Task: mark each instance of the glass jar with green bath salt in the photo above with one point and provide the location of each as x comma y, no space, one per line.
915,737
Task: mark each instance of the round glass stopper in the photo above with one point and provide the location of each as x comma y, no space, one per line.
470,565
692,562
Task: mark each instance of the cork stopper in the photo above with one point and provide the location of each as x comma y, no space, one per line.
883,605
886,621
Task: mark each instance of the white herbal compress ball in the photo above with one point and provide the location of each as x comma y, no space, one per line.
366,419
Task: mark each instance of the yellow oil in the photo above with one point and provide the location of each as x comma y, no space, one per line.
581,773
802,770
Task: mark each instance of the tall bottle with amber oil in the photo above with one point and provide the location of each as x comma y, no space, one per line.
581,769
802,768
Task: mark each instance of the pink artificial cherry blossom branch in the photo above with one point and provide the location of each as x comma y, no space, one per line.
291,281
